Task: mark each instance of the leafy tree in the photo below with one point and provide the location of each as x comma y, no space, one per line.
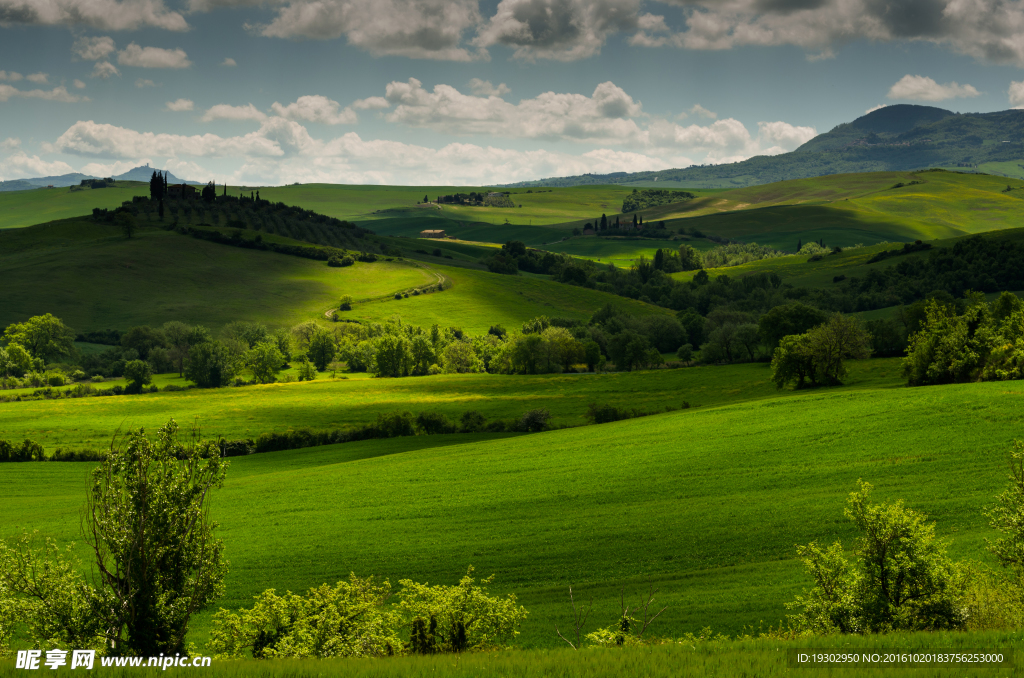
303,333
422,354
902,580
458,357
209,365
264,360
321,349
792,361
157,560
126,222
43,336
392,356
690,259
138,374
178,336
14,361
591,354
950,348
143,339
307,371
249,333
693,324
794,318
628,349
1007,516
831,343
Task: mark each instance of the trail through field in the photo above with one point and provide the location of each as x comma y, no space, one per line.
441,278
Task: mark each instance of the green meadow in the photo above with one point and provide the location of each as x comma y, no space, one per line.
25,208
707,503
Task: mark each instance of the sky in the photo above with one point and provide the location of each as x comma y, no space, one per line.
473,92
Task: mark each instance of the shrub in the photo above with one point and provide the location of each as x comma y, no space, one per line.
347,261
346,303
174,387
64,454
603,414
29,450
398,295
472,421
97,378
334,261
432,423
685,353
236,448
395,424
55,379
534,421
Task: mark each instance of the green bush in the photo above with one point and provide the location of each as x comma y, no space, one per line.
432,423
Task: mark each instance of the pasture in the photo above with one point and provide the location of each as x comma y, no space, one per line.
26,208
706,503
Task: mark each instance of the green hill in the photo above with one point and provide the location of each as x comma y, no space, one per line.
28,207
894,138
706,503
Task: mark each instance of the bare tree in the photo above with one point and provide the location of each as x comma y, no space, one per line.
579,618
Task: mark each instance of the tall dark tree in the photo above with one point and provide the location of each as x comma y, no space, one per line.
210,192
604,222
799,244
426,198
659,260
257,196
634,220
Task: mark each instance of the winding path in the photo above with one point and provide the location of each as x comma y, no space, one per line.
329,313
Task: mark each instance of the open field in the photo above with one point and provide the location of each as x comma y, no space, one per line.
325,403
91,277
708,503
26,208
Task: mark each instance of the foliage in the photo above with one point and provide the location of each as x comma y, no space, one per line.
902,580
649,197
137,373
210,365
43,336
820,354
735,254
1007,516
350,619
321,349
264,360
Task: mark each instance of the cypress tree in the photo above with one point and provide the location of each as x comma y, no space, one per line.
634,219
799,244
604,222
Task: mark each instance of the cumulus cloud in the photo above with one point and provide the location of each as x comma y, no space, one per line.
11,76
370,103
229,62
180,105
606,115
78,84
874,108
702,112
144,82
564,30
152,57
88,138
1016,94
104,69
10,143
783,136
93,49
38,78
56,94
484,88
236,113
919,88
112,15
21,165
421,29
316,108
100,169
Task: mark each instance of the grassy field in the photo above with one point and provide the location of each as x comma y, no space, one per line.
88,275
25,208
706,503
327,403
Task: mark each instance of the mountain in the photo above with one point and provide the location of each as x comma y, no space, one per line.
141,173
893,138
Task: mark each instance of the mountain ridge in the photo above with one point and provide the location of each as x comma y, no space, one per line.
140,173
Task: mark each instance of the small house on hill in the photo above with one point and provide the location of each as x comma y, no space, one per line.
176,191
433,234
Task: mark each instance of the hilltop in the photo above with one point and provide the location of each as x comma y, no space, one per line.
894,138
140,173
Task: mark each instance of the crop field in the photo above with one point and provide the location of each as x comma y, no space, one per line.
26,208
357,399
705,503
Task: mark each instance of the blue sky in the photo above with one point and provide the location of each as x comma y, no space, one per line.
473,91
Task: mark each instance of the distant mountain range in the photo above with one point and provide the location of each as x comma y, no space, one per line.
141,173
900,137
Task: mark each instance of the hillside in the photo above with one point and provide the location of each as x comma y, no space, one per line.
710,517
894,138
141,173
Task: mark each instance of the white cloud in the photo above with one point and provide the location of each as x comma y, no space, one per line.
56,94
316,108
38,78
99,169
420,29
606,115
104,69
180,105
783,135
919,88
22,166
699,110
94,49
78,84
89,138
10,143
229,62
11,76
564,30
113,15
484,88
370,103
229,112
152,57
874,108
1016,94
144,82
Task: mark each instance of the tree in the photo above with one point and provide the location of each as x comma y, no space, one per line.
689,258
1007,516
591,354
321,349
43,336
209,365
659,259
604,222
458,357
791,361
903,579
264,360
143,339
303,332
156,557
126,222
392,356
138,374
950,347
209,192
628,349
795,318
177,336
422,354
249,333
831,343
14,361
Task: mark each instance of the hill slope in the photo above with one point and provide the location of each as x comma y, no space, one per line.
894,138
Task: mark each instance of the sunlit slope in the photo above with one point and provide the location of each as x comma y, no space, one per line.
25,208
708,504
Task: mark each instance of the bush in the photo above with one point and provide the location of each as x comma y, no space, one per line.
64,454
334,261
432,423
236,448
395,424
472,421
534,421
174,387
685,353
398,295
29,450
348,261
55,379
346,303
603,414
97,378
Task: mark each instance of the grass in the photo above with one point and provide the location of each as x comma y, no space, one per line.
92,278
706,503
25,208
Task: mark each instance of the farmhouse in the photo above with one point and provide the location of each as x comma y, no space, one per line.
181,191
433,234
